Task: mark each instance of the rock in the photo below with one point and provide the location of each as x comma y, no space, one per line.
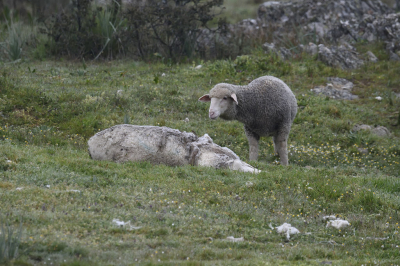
282,52
341,83
162,145
339,56
337,88
361,127
393,56
371,57
318,28
362,151
381,131
311,48
393,46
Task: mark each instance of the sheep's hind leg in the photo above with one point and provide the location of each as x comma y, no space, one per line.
281,149
276,152
253,144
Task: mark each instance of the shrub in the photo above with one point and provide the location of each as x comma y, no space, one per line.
169,29
77,31
163,28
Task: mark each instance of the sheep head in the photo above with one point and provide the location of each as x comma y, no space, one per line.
222,100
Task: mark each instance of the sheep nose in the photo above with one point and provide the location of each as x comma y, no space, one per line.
211,114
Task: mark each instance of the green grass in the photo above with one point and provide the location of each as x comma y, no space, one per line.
67,202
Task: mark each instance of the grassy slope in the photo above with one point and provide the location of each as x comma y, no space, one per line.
185,214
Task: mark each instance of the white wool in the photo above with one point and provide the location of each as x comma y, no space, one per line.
162,145
330,217
270,226
232,239
379,98
249,184
338,224
127,224
73,190
119,223
287,228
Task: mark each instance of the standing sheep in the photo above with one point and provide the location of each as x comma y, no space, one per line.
266,107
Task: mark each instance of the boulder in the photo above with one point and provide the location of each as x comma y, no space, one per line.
361,127
379,131
339,56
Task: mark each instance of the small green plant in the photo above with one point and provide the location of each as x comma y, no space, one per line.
9,241
15,40
108,22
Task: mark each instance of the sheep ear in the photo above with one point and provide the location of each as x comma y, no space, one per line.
205,98
233,96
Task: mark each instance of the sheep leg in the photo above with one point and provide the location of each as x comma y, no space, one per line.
275,146
281,149
253,139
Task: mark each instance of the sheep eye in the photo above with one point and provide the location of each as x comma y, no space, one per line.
225,97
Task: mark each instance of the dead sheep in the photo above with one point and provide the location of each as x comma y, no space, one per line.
266,107
162,145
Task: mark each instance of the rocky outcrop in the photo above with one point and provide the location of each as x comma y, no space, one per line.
337,22
326,13
332,25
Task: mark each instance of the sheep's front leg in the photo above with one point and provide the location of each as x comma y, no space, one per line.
253,139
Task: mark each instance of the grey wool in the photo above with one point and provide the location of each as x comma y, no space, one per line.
162,145
266,107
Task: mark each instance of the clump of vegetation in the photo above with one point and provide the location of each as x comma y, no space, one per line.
169,28
72,31
9,241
